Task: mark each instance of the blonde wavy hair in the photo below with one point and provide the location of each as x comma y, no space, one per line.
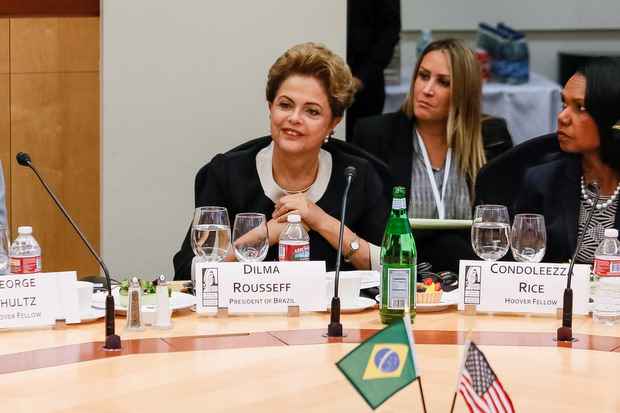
463,128
317,61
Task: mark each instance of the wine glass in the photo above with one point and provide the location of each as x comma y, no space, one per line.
250,237
490,232
210,235
528,238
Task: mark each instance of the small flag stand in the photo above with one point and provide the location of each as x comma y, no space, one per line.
384,363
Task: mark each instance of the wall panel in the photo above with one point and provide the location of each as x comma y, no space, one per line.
54,44
4,45
5,139
5,126
55,118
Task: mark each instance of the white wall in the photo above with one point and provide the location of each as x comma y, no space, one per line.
182,81
523,14
544,46
551,26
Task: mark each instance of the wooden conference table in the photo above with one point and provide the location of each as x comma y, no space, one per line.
281,364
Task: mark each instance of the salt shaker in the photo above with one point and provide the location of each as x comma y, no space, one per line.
134,305
162,317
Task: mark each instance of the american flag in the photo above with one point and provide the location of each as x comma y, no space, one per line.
480,387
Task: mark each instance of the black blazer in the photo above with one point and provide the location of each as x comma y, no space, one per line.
500,180
231,180
389,137
553,189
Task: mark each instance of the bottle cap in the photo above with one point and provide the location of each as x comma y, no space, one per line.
24,230
611,233
293,218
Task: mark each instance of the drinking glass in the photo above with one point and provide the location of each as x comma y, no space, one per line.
490,232
210,236
528,238
4,250
250,237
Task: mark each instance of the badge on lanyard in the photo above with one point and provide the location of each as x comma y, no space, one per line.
439,199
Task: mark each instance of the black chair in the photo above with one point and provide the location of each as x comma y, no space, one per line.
495,136
500,180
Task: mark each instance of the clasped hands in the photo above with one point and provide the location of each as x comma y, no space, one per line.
311,214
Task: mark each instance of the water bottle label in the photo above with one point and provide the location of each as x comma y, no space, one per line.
398,287
294,252
399,203
25,265
607,267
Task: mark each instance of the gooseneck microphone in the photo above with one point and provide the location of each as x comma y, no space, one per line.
334,329
565,333
112,341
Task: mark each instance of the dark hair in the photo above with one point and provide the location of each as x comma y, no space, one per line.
603,104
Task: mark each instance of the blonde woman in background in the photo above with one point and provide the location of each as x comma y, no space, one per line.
434,146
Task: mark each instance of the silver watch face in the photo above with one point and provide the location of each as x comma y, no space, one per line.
355,245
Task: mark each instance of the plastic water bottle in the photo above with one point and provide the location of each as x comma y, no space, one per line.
294,241
607,271
25,254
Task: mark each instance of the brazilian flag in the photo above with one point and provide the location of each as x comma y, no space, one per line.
383,364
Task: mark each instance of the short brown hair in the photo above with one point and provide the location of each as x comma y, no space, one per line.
317,61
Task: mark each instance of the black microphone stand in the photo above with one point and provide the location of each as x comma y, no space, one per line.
565,333
112,340
334,329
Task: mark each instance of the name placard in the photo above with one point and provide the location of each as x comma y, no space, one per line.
261,287
27,300
521,287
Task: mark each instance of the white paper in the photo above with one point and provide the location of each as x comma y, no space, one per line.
28,300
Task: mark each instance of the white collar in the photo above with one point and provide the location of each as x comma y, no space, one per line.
274,192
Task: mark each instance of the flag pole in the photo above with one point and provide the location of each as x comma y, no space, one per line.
453,402
422,393
462,366
407,321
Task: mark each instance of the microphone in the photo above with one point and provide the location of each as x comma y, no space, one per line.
565,333
112,341
334,329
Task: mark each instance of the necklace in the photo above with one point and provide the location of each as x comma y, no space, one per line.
301,191
602,205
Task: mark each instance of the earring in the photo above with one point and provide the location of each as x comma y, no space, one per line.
328,137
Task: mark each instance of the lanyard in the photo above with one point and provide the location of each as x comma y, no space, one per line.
439,201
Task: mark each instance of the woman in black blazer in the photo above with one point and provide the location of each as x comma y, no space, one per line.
434,145
589,136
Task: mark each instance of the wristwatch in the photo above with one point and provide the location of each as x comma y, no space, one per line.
354,247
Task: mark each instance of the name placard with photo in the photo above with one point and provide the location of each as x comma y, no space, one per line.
260,287
520,287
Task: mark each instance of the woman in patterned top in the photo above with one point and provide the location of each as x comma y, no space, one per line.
589,135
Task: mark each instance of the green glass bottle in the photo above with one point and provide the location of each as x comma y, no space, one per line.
399,262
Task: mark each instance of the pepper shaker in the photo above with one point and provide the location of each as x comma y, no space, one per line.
134,305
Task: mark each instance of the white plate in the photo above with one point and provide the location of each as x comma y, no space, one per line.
91,314
369,279
362,304
178,301
447,300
